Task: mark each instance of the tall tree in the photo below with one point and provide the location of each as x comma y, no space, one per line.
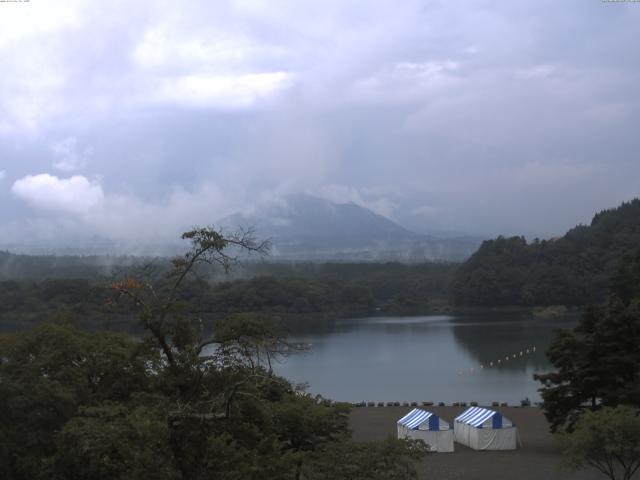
48,375
598,362
185,403
607,440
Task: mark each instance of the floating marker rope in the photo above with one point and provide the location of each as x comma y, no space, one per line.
498,362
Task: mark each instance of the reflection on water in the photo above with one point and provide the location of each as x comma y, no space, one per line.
432,320
435,358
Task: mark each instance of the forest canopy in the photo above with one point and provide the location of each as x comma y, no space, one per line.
182,402
301,294
571,270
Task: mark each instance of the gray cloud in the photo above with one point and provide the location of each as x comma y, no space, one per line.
464,116
69,157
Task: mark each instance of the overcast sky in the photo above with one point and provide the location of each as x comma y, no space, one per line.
135,120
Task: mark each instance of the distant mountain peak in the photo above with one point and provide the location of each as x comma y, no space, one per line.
305,226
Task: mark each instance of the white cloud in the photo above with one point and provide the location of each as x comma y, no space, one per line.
19,22
123,216
345,194
57,64
75,195
405,81
168,47
69,158
220,90
84,208
31,92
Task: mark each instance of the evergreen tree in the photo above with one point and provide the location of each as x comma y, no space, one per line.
598,362
571,270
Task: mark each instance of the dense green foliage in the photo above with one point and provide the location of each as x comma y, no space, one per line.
78,405
607,440
571,270
300,295
597,363
387,460
182,403
345,289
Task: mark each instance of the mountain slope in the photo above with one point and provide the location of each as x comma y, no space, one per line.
303,226
572,270
316,220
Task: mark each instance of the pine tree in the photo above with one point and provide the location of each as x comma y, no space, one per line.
598,362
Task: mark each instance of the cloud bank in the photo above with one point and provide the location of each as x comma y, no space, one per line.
481,117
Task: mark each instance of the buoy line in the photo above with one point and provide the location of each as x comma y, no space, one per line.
500,361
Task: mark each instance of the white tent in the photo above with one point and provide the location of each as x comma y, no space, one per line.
483,429
422,425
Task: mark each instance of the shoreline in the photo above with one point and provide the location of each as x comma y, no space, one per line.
429,404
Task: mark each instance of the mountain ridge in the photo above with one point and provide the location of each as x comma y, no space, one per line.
303,226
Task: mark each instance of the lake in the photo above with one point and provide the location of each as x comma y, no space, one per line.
481,358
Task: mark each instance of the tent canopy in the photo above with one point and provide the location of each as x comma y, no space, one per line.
418,419
479,417
422,425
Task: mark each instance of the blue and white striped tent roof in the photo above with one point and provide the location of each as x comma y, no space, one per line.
477,416
417,418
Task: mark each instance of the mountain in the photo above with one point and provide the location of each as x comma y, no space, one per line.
306,227
571,270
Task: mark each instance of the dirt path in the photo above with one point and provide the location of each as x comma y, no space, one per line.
538,459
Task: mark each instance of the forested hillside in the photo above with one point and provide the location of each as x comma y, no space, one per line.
298,294
571,270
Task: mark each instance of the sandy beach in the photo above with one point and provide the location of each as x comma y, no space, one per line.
538,459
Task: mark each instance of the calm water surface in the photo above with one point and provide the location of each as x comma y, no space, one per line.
434,358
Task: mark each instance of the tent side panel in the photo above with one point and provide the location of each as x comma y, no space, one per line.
445,441
499,439
426,436
461,433
438,440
